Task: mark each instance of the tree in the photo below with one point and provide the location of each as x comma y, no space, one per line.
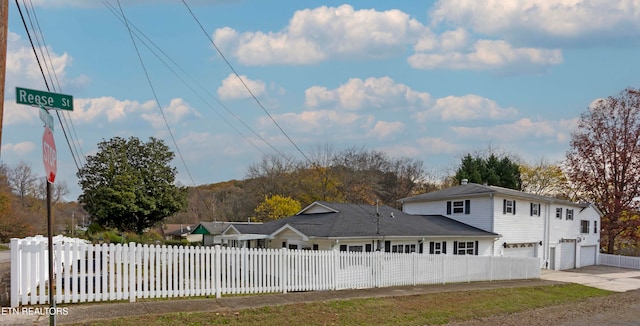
502,172
604,162
545,179
276,207
129,184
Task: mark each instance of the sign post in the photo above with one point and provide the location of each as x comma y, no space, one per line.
46,101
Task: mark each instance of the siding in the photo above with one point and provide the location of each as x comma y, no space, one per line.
520,227
480,214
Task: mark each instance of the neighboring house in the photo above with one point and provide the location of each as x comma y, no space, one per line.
363,227
179,232
210,232
563,234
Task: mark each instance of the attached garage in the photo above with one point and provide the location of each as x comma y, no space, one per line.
567,254
520,250
588,255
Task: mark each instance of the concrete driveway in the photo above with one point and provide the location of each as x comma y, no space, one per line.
602,277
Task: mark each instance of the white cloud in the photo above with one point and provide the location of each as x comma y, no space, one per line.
22,68
314,35
384,129
523,129
176,111
94,109
464,108
19,149
315,121
233,88
488,54
433,145
370,93
544,21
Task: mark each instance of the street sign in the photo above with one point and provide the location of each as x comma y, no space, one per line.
49,156
46,118
46,99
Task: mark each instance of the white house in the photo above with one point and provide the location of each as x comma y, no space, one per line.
363,227
563,234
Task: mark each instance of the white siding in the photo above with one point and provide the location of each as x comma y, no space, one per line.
480,214
517,228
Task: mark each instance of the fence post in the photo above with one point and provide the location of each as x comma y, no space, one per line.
217,271
15,271
283,269
131,252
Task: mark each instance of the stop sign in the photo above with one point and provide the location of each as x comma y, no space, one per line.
49,157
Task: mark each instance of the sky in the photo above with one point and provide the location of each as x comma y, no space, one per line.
224,83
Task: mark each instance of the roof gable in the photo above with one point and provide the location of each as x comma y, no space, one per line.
317,208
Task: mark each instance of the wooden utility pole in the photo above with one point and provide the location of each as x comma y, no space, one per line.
4,21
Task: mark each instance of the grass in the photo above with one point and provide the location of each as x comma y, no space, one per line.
4,247
428,309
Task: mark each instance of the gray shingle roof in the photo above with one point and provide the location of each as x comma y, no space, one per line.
360,220
476,190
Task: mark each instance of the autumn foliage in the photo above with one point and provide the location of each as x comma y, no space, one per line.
604,164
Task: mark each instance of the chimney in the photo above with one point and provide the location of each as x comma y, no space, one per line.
464,181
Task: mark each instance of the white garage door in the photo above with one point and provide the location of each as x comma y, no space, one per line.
587,255
568,255
527,251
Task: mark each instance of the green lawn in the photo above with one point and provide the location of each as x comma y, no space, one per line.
428,309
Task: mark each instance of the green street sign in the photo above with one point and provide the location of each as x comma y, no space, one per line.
46,99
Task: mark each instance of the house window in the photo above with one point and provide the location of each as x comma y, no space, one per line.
410,248
343,247
535,209
509,207
315,247
293,247
465,248
595,227
368,247
356,248
570,215
559,213
458,207
437,248
584,226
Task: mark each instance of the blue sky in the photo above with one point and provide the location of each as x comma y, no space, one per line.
431,80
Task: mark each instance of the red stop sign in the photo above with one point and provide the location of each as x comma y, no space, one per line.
49,157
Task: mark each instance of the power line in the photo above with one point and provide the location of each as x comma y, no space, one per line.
155,95
35,52
255,98
142,37
65,114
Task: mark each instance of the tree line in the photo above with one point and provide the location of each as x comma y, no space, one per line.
130,185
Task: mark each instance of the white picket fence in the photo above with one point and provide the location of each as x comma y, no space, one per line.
90,273
619,261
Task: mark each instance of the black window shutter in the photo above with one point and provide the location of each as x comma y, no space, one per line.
476,247
539,209
514,207
448,208
421,248
531,209
444,247
455,247
467,206
504,206
431,245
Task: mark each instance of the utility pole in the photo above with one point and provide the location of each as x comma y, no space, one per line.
4,21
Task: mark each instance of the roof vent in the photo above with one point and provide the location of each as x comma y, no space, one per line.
464,181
